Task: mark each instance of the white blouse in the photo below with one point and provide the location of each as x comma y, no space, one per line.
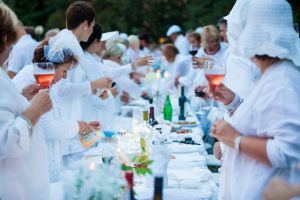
272,110
23,158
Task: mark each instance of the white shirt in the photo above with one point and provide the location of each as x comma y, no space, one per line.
272,110
241,74
182,44
21,53
23,158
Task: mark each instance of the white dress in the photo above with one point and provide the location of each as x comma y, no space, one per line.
23,158
57,130
271,110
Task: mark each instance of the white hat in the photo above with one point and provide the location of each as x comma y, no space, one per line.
199,30
269,31
113,35
123,36
236,22
173,29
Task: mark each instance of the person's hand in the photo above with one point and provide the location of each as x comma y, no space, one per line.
144,61
95,125
84,128
198,63
224,132
220,93
217,150
101,83
41,102
104,95
125,97
30,90
114,91
201,88
278,189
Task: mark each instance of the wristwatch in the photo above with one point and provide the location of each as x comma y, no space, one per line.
237,142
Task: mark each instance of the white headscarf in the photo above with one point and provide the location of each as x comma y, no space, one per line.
269,31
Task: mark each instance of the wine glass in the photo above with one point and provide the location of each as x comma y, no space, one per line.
214,74
43,73
193,51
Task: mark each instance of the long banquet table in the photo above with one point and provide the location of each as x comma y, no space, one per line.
188,175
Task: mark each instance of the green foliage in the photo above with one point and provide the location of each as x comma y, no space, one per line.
132,16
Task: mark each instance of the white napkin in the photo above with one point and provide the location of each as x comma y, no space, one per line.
178,148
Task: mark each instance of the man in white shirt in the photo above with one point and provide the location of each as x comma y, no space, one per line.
180,42
22,52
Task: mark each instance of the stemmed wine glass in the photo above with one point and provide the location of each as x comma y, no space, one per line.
43,73
214,74
193,51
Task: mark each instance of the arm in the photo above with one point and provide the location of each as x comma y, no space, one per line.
15,131
66,88
57,129
252,146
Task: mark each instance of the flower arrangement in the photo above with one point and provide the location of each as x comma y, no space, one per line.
94,183
137,144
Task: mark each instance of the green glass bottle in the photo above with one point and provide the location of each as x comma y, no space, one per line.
168,110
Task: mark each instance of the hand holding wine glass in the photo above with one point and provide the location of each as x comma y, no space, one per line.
101,83
220,93
30,90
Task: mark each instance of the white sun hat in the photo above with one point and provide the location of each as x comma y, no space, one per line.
113,35
173,29
269,31
236,22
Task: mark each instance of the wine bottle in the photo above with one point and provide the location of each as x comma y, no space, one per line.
129,179
152,120
168,110
182,102
158,188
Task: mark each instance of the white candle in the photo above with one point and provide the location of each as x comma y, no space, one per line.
92,166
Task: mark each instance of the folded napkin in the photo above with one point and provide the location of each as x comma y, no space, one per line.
178,148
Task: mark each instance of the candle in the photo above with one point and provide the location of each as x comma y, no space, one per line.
92,166
157,75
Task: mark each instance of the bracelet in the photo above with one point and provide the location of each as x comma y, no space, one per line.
236,102
29,124
237,143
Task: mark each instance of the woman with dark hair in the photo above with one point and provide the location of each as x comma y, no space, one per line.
91,47
23,160
56,129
